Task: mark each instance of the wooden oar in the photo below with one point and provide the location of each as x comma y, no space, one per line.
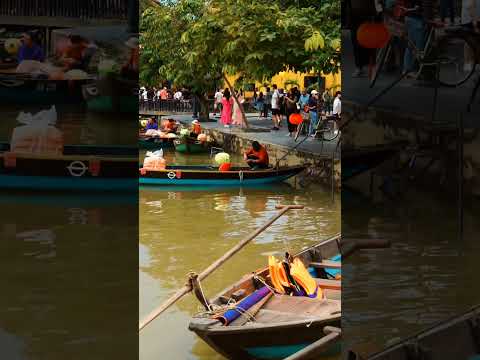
333,335
350,246
187,288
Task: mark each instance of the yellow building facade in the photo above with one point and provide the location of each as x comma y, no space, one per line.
288,79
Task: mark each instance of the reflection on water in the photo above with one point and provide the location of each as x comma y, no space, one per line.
182,231
426,276
67,281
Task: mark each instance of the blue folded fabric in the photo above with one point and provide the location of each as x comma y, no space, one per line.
243,306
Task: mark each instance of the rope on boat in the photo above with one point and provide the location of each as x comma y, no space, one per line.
240,175
260,279
220,309
196,285
232,304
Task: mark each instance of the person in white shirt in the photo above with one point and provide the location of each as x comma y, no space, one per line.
275,107
337,104
178,95
217,105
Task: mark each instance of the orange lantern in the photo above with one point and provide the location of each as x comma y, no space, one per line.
295,119
373,35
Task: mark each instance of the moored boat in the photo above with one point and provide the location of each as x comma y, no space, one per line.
191,146
279,325
27,90
211,176
454,338
79,167
359,160
154,143
111,94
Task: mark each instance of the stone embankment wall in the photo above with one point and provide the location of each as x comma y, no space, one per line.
319,165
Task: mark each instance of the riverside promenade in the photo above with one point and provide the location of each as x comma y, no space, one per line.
260,130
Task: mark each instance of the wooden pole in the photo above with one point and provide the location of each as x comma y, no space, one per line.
333,335
187,288
349,246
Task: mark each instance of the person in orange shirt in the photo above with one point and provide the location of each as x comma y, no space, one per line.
130,69
164,94
171,126
257,156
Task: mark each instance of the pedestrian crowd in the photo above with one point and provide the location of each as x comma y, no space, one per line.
280,105
162,93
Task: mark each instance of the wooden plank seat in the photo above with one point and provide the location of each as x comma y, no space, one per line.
327,264
282,308
329,284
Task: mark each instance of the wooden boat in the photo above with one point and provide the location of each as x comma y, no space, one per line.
26,90
154,143
112,95
359,160
454,338
210,176
283,325
80,167
191,146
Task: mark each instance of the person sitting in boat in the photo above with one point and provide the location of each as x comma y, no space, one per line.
130,69
170,127
30,49
152,124
257,156
78,54
196,129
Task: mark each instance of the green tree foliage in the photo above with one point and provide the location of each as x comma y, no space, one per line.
195,42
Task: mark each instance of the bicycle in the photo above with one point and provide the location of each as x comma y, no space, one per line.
467,32
326,128
447,54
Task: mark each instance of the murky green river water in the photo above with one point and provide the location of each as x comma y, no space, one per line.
68,262
185,230
428,274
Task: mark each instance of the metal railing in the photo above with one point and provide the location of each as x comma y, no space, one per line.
180,106
168,106
92,9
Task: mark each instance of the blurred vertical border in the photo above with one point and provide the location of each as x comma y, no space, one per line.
68,179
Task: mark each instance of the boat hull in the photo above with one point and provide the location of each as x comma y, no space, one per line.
454,338
57,183
39,92
212,177
191,148
358,161
153,144
110,104
276,342
92,168
111,95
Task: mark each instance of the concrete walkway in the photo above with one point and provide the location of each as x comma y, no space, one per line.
274,137
410,97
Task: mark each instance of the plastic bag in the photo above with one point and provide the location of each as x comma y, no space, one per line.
37,134
154,161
